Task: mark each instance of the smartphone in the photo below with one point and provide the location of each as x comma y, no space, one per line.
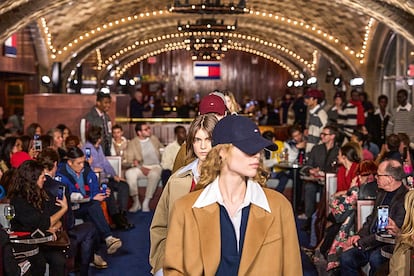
103,188
87,153
382,218
61,192
37,143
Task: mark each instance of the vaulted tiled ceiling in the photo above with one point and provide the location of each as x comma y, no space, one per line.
291,32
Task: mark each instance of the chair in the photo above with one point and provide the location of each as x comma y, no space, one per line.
116,163
82,130
330,189
364,209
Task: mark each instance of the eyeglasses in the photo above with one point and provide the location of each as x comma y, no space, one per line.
324,134
378,175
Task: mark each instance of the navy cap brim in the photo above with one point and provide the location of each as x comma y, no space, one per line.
254,145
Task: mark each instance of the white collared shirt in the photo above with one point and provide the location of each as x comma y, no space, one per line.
408,107
254,195
193,167
313,110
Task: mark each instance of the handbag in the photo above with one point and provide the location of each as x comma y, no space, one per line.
62,240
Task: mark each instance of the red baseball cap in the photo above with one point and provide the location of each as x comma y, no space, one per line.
212,104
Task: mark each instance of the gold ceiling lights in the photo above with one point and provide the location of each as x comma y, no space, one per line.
209,7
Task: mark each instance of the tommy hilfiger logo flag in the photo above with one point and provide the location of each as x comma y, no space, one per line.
10,46
207,70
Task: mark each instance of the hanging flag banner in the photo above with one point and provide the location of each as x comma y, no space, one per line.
206,70
10,46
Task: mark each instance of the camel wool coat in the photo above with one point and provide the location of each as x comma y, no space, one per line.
270,247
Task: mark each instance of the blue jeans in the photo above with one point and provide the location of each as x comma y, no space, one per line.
353,259
92,211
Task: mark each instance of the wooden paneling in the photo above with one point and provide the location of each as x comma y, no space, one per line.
239,74
49,110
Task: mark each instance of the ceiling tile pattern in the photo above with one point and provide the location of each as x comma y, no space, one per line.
332,28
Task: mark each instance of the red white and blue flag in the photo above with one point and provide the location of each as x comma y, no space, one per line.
10,46
207,70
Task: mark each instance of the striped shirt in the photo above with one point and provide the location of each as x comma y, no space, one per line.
317,121
347,119
402,121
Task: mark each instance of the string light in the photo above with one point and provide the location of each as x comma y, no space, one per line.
289,21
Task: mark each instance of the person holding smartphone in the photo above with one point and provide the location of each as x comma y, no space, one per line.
366,249
36,210
100,164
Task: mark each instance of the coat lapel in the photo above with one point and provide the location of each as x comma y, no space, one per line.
257,227
208,221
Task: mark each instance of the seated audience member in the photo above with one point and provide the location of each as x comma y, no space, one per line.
57,144
82,236
271,158
407,153
72,141
391,149
65,133
399,262
180,183
119,142
343,213
232,179
366,248
349,156
10,146
101,165
369,145
83,184
144,156
317,167
34,129
214,103
170,152
361,140
35,209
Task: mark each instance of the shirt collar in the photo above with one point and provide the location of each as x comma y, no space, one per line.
313,110
100,113
378,112
254,195
193,168
408,106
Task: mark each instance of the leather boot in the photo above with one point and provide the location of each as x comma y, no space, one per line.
136,206
118,219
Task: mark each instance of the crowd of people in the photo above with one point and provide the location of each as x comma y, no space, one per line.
213,175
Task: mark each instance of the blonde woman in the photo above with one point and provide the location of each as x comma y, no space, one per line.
180,183
231,103
233,226
400,262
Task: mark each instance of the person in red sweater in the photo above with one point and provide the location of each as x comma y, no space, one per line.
349,157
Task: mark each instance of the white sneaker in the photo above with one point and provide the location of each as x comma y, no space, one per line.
136,206
302,216
145,205
112,244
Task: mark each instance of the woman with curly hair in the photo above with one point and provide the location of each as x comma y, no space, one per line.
233,226
400,260
198,145
35,209
343,211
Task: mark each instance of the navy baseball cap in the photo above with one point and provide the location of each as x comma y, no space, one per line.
242,133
